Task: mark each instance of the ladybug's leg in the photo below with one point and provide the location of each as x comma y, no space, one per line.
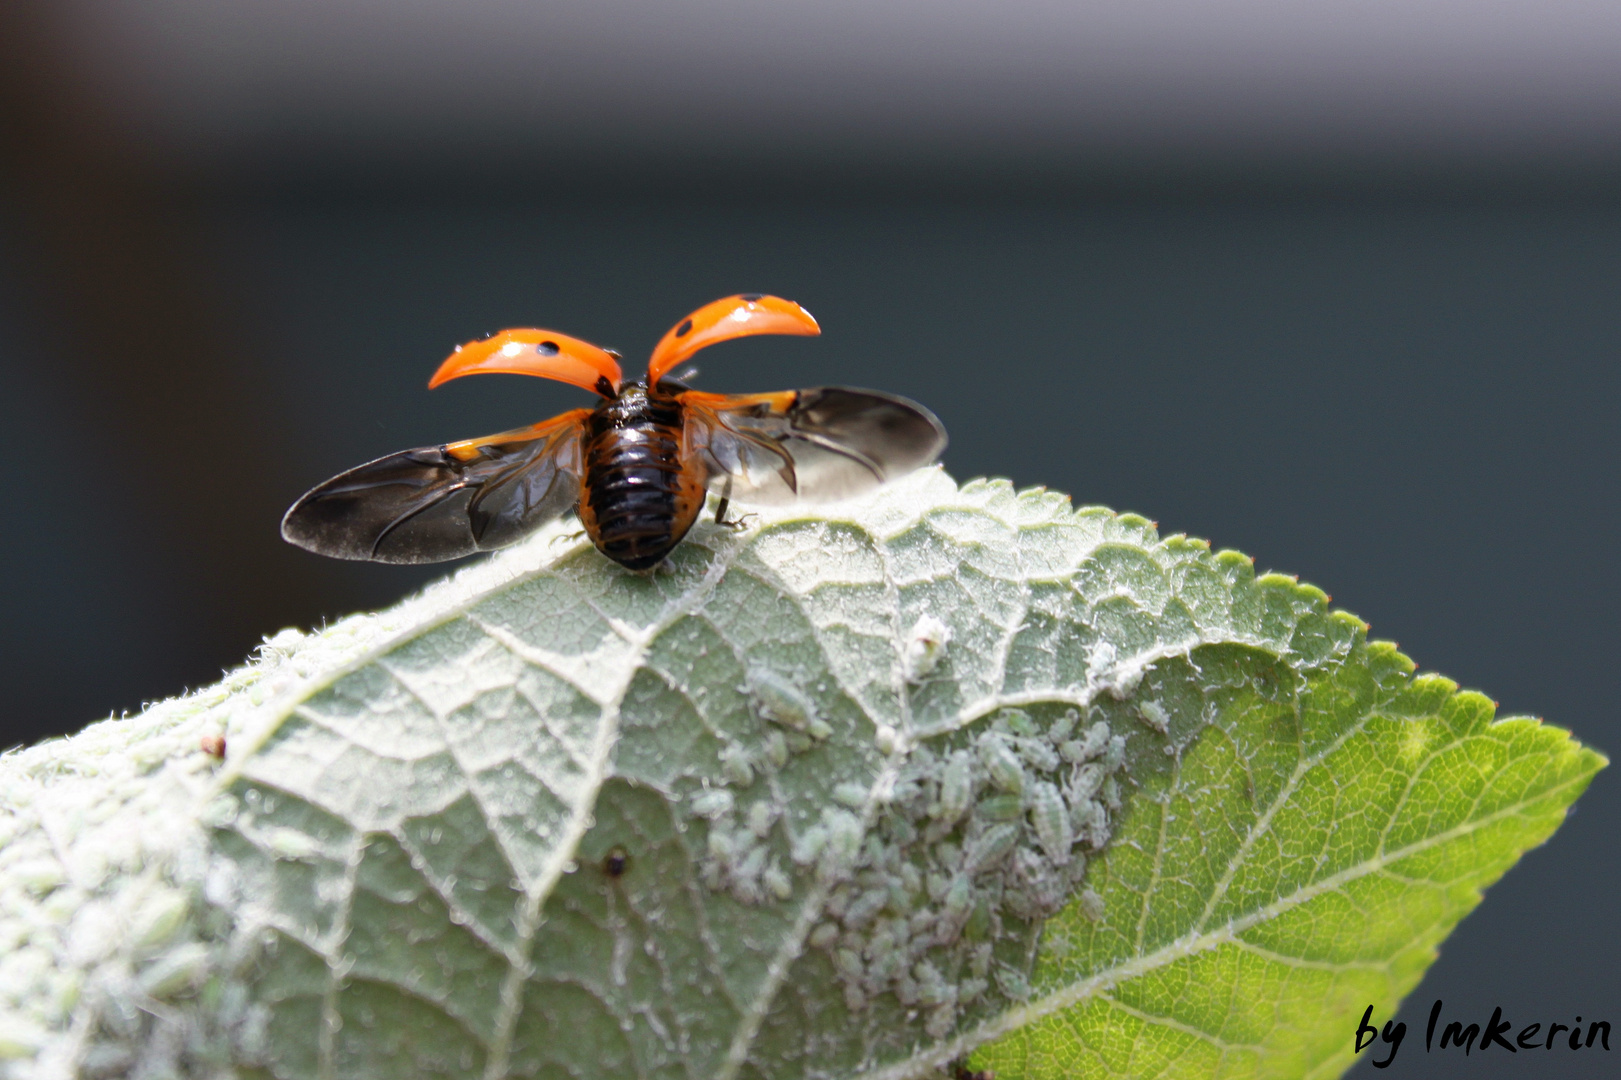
720,510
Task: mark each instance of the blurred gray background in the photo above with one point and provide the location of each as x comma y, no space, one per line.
1336,285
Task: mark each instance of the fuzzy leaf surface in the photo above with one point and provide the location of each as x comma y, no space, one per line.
941,773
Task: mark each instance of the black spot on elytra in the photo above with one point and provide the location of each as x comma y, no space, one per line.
684,329
616,862
751,297
548,348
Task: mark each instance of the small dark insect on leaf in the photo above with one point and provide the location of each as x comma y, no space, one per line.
616,862
212,745
960,1071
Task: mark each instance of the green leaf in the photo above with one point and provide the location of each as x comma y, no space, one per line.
942,773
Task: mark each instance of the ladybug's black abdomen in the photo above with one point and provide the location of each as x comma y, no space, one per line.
638,500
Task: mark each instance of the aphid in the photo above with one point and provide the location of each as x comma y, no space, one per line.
990,848
777,882
956,789
1003,767
1051,819
712,803
762,815
1155,716
616,862
212,745
636,468
865,908
1084,784
783,702
1000,808
824,935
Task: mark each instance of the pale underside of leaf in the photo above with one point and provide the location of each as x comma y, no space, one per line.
552,819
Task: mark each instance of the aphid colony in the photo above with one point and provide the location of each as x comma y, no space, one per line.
992,828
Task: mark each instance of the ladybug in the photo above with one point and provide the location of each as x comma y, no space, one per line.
637,468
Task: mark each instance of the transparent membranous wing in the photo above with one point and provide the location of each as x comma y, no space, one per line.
443,502
817,445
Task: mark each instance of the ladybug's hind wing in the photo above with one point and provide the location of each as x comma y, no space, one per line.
444,502
817,445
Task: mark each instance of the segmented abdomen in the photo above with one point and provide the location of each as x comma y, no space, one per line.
638,500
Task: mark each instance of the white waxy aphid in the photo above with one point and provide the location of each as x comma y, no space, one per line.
824,935
851,794
1111,793
1051,820
942,1018
931,988
1095,824
1002,765
1072,751
865,908
954,910
753,861
848,961
1084,784
1063,726
777,882
1155,716
712,803
999,808
924,646
969,990
921,924
284,843
956,789
1115,755
1097,739
781,700
807,847
989,849
182,968
1013,983
1037,754
735,764
887,961
1015,720
158,918
762,815
843,845
911,879
1091,905
1040,891
776,749
722,848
